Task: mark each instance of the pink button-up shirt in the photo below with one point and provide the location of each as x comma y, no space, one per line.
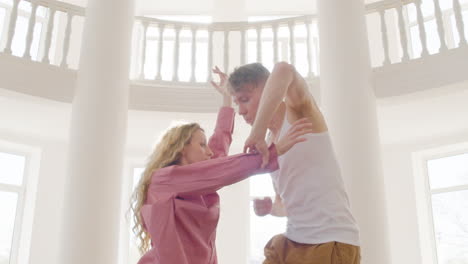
182,207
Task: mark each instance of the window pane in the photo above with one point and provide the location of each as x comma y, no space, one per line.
2,21
11,168
262,229
136,176
185,56
261,185
7,224
432,36
19,43
448,171
450,212
201,71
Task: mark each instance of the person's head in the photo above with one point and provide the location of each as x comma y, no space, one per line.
181,145
246,85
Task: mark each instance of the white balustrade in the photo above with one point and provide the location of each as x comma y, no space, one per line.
29,36
66,43
283,41
193,61
459,21
440,26
402,26
226,28
47,21
422,29
12,26
143,50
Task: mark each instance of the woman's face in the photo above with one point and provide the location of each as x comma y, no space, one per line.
197,150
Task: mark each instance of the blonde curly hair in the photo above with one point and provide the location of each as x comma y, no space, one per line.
168,152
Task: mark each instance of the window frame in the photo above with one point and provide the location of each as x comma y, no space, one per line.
424,193
25,204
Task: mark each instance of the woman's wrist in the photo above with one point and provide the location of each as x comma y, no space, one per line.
227,101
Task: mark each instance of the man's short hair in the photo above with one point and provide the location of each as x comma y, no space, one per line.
253,73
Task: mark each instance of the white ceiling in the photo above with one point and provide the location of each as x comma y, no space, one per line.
206,7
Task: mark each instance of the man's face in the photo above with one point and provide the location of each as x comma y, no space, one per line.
247,100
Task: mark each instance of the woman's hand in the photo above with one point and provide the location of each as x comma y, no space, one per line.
221,86
263,206
293,136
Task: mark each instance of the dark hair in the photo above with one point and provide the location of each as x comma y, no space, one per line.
252,73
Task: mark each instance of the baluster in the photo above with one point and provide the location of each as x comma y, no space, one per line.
292,51
440,26
275,43
12,26
460,26
310,73
226,51
160,51
143,51
422,29
243,47
175,73
259,44
50,28
194,57
66,44
403,37
29,36
210,54
383,28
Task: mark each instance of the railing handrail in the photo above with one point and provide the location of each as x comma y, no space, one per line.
61,6
382,10
227,26
387,4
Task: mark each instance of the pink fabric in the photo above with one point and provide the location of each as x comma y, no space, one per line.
182,208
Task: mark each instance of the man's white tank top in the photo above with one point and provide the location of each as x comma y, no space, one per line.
310,184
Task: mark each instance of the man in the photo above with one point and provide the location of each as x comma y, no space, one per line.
309,187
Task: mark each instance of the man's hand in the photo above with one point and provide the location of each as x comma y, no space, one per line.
263,206
294,135
256,143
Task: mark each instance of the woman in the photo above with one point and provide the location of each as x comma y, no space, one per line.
175,205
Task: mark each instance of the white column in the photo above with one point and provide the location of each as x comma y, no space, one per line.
235,197
349,106
90,231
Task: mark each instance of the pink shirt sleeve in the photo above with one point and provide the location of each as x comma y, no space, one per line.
210,175
222,137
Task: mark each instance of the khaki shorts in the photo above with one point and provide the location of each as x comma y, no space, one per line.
281,250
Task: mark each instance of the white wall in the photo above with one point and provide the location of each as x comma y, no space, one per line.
44,124
408,125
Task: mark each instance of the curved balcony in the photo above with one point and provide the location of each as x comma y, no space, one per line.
412,44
